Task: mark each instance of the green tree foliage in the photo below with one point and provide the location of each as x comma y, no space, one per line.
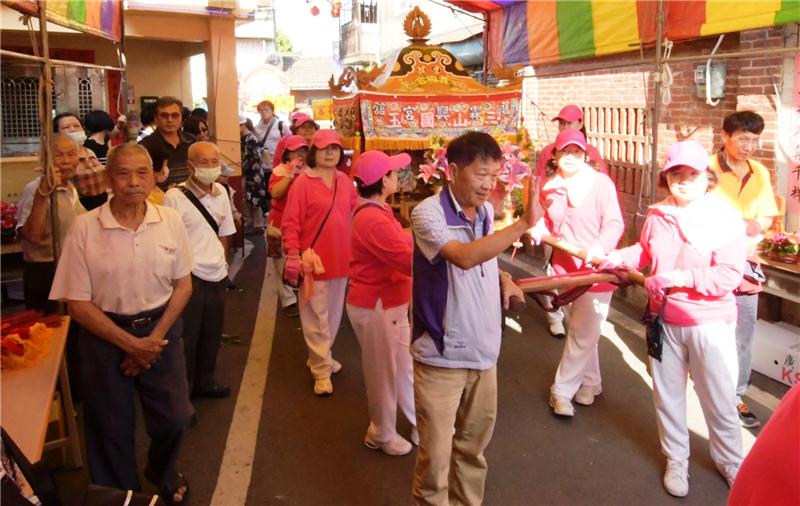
282,42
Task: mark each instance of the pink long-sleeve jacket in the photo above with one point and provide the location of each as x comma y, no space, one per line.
707,240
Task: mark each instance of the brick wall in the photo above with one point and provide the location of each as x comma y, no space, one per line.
748,87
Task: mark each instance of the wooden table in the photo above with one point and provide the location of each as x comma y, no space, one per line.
27,395
783,280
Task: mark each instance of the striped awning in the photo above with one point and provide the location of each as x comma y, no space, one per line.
98,17
547,31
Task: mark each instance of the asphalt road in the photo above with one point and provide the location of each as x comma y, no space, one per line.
309,450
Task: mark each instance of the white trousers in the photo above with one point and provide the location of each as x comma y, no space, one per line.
285,292
385,339
556,316
320,318
707,353
580,362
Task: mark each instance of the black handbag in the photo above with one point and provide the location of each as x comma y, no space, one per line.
654,329
41,481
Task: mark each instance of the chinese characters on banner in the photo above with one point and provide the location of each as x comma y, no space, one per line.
793,186
416,117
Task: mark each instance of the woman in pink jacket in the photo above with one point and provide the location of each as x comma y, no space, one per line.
377,301
581,207
316,224
695,248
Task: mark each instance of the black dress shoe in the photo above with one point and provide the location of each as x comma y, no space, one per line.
292,310
216,391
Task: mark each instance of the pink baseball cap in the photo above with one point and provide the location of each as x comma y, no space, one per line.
570,113
324,138
570,136
300,117
373,165
295,142
689,153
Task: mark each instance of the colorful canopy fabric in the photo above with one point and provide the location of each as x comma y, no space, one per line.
98,17
546,31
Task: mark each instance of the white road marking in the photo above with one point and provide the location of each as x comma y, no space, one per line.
236,468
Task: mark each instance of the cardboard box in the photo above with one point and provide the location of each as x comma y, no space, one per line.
776,351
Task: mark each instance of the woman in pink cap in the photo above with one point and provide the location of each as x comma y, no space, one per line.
303,124
695,247
377,301
569,118
291,152
316,224
581,207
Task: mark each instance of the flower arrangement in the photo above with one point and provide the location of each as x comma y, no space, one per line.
8,218
515,166
782,247
434,170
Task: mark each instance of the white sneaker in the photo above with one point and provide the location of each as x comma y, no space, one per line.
561,405
586,394
414,437
323,386
396,446
336,366
728,471
676,478
557,330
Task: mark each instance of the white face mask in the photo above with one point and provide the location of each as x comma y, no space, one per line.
569,164
79,137
207,175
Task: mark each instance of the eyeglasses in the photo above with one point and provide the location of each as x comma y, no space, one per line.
169,115
747,142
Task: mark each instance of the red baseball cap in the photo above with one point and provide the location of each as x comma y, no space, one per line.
689,153
299,118
324,138
570,136
569,114
373,165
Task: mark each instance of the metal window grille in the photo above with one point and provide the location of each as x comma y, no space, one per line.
84,96
20,107
622,134
369,11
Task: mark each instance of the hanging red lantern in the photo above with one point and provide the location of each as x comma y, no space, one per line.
315,11
336,6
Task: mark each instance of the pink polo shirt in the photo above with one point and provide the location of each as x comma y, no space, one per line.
380,266
596,221
715,257
306,207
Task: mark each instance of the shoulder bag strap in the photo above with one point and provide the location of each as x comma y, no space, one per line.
333,202
365,205
200,207
266,134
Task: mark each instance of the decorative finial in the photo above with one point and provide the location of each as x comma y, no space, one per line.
417,26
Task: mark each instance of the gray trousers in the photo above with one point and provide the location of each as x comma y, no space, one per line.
110,412
203,318
747,313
